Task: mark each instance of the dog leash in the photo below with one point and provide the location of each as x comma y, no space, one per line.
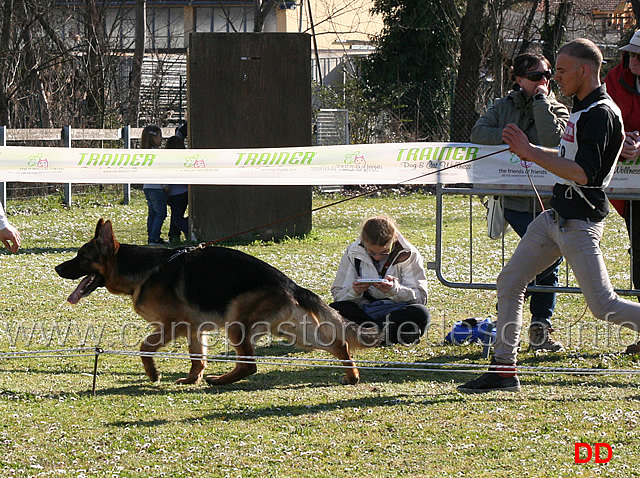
202,245
182,250
379,188
526,165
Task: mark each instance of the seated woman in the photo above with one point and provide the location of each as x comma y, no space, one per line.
381,280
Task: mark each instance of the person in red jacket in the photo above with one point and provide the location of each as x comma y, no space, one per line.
623,85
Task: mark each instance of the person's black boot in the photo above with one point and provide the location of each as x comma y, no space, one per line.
499,377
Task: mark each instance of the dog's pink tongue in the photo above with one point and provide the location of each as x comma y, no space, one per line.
76,295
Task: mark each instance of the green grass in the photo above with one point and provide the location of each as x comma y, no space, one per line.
293,420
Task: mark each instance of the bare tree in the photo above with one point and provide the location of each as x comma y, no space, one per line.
635,5
31,59
554,28
261,10
472,41
138,57
5,37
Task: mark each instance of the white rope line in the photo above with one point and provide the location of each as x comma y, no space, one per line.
323,362
82,349
40,353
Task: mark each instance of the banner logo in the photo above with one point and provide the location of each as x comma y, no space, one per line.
38,161
194,161
355,158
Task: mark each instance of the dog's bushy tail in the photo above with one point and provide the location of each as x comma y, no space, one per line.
332,325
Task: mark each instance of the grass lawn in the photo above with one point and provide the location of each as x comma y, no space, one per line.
293,420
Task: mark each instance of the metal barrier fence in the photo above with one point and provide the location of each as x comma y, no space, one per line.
481,272
65,137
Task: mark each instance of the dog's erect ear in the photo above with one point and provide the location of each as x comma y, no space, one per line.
106,240
98,228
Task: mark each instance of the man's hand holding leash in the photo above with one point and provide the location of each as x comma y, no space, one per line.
546,158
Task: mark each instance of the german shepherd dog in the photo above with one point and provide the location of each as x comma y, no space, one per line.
187,292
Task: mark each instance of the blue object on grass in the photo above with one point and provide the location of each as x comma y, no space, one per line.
473,329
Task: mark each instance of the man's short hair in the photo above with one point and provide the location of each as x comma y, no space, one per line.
585,50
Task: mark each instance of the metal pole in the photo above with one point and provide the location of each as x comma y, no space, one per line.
126,140
95,369
66,141
180,99
3,186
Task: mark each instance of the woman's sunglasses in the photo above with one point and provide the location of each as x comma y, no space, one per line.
537,75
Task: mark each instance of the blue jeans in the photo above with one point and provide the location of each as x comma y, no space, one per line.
157,205
178,204
542,303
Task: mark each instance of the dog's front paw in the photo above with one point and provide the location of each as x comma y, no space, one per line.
187,381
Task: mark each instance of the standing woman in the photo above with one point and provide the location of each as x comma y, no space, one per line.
532,106
623,85
155,194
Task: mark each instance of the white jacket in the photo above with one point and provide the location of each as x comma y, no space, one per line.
410,280
4,223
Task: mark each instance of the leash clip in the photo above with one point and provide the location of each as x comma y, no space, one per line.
187,250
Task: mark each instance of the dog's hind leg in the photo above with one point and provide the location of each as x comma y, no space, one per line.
340,349
241,341
328,336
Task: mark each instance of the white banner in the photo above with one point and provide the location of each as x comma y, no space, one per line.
387,163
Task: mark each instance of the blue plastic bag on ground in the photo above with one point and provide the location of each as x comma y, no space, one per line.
473,329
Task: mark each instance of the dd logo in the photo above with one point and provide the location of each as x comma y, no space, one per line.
593,452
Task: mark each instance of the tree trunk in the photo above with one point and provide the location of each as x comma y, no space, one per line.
261,10
41,110
635,4
135,79
494,24
526,31
96,51
5,36
553,34
472,39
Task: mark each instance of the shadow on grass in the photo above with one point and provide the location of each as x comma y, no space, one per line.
453,399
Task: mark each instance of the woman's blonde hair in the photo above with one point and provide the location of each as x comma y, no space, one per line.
379,231
149,131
